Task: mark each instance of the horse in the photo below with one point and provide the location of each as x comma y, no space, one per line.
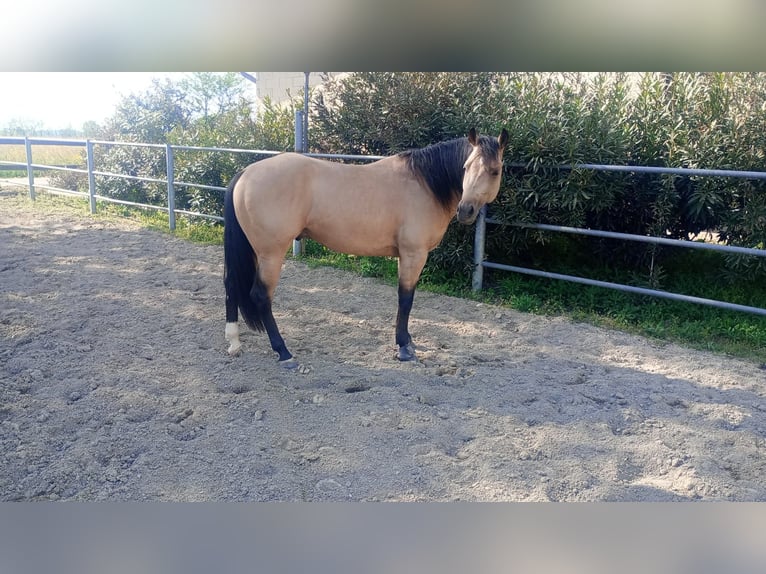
399,206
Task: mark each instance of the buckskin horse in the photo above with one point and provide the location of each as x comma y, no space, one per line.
399,206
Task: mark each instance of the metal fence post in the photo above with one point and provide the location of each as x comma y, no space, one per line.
30,171
91,177
299,148
478,249
171,188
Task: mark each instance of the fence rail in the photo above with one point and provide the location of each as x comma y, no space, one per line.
91,172
480,263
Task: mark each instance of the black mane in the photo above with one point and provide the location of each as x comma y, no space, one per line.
440,166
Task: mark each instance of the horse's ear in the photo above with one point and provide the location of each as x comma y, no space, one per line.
503,138
473,138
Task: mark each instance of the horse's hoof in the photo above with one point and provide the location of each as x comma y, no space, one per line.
234,349
406,353
289,364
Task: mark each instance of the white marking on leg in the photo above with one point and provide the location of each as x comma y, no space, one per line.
232,336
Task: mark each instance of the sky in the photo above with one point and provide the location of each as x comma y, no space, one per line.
60,100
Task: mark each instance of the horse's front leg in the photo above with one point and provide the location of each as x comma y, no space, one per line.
403,338
410,267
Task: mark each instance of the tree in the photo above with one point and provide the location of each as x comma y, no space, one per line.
22,127
210,94
152,115
91,129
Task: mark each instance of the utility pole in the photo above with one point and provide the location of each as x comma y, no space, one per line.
306,112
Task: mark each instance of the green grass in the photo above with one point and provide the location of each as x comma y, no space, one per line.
16,173
44,154
694,273
316,255
699,326
195,229
59,155
12,173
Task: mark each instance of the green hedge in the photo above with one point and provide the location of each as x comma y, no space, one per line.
711,120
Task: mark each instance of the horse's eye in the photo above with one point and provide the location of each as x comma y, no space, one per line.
494,172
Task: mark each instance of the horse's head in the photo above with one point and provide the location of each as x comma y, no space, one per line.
482,173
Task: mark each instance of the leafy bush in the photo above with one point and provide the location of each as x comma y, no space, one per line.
696,120
136,162
233,128
384,113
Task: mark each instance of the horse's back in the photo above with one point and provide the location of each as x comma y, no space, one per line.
357,209
292,181
276,174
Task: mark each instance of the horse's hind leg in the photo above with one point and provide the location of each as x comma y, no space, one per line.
232,326
262,294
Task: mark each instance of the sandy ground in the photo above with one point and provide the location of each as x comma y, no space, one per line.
115,385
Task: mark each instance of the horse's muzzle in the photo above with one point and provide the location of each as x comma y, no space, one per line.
466,213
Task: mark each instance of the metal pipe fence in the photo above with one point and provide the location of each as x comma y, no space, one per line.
480,263
90,170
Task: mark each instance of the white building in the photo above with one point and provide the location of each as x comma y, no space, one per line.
281,86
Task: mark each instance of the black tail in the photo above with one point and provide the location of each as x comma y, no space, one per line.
239,275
